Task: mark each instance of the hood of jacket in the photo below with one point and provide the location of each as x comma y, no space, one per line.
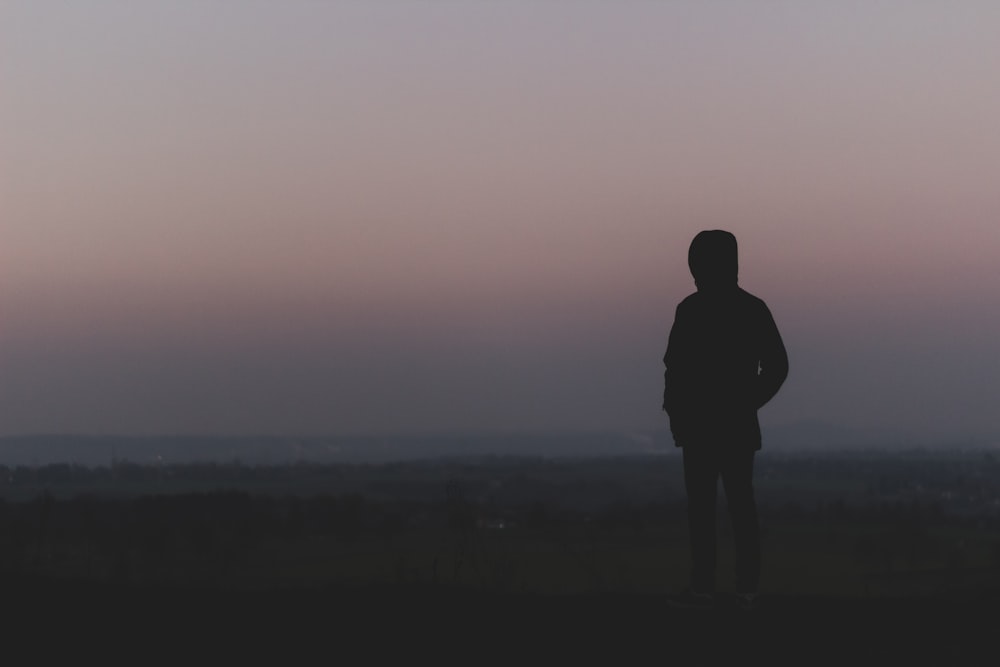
713,260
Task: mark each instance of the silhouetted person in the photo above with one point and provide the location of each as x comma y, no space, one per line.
725,359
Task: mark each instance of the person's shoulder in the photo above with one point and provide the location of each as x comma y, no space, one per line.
753,305
688,304
751,299
690,299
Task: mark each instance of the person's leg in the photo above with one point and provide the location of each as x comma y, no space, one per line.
700,480
737,480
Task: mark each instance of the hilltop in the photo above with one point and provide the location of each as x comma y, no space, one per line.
455,626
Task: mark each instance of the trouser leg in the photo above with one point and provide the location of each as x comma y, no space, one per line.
737,480
700,481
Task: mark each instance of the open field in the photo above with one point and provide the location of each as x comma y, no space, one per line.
868,558
848,525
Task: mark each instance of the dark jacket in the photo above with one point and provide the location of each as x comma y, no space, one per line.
725,359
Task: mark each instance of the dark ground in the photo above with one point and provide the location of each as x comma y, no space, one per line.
49,619
871,558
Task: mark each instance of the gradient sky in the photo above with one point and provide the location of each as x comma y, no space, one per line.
327,217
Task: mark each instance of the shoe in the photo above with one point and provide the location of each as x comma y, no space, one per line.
692,599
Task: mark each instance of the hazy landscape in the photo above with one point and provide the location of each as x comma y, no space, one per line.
867,528
96,450
837,522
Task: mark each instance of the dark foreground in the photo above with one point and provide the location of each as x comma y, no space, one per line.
50,620
870,559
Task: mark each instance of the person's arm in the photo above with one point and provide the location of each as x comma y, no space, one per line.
670,361
773,368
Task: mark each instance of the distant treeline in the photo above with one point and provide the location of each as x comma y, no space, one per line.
958,482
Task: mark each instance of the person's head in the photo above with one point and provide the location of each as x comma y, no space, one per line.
712,259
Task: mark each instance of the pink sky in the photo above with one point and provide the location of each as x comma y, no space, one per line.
329,217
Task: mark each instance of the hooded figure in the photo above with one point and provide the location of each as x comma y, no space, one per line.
725,359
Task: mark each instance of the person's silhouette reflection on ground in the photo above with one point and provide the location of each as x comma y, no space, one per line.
724,360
